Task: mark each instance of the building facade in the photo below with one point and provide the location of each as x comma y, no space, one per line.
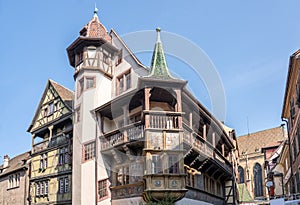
51,154
139,134
14,180
256,151
290,114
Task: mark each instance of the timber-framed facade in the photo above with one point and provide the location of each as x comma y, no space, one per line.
51,154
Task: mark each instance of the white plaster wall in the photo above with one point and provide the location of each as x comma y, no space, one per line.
109,125
104,202
88,183
92,99
84,178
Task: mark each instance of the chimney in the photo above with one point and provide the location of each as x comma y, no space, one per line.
5,161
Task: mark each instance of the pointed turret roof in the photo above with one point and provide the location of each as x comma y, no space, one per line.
95,29
159,68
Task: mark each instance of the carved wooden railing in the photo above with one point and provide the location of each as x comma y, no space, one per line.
163,120
125,134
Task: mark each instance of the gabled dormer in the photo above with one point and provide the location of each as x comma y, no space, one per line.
56,102
93,49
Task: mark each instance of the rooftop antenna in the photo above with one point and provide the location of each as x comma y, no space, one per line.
248,126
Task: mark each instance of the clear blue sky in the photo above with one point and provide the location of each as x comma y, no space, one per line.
249,42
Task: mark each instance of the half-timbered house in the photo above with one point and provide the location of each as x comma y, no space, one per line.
51,154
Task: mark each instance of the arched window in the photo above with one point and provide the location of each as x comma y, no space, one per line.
241,175
258,186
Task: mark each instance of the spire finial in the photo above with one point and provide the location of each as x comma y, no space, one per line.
158,34
95,10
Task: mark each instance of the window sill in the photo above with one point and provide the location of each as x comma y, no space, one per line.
11,188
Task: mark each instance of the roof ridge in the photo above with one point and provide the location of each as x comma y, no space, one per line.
252,133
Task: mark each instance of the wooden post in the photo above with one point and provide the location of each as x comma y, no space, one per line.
191,120
147,107
204,132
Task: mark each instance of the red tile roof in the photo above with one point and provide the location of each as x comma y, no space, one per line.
251,142
16,163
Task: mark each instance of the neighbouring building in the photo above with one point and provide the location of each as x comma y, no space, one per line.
139,134
284,164
51,154
14,180
290,114
258,154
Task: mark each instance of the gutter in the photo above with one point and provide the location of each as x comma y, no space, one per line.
289,143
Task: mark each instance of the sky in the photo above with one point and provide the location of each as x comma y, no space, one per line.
249,43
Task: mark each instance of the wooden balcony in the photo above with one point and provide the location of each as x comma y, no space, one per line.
123,135
55,141
204,149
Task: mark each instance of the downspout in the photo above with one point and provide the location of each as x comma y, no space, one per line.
96,159
25,187
289,143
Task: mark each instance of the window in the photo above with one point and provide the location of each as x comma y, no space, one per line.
43,161
17,180
66,185
241,175
258,186
77,114
38,189
46,187
123,175
63,184
102,189
63,156
51,109
156,164
173,164
13,181
89,151
41,188
90,82
123,82
80,87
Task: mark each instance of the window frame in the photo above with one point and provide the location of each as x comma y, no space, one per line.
102,186
122,82
88,153
80,87
86,78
